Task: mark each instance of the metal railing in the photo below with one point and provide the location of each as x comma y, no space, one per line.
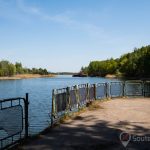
116,89
13,121
134,88
101,90
73,98
146,90
14,111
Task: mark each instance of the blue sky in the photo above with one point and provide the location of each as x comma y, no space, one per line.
63,35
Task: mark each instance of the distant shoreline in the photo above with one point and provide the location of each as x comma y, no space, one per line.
112,76
26,76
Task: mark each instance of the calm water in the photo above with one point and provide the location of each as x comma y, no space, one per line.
40,95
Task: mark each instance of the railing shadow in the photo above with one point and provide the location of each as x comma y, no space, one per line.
81,134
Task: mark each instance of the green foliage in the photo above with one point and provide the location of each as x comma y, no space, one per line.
39,71
19,68
84,70
9,69
135,64
6,68
101,68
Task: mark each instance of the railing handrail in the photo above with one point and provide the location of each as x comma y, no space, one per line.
89,93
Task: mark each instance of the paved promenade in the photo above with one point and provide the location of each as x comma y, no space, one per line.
100,128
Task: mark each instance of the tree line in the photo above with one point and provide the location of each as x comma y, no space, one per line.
134,64
10,69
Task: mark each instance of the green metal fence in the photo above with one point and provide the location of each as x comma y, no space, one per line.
13,121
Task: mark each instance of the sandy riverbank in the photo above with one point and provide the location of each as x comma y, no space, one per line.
26,76
110,76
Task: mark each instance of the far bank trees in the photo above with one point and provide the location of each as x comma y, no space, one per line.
9,69
134,64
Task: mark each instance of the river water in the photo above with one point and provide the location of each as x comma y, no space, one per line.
40,95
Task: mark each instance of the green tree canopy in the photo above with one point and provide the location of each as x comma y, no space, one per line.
9,69
134,64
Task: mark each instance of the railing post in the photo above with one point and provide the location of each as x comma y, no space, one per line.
53,106
95,91
143,88
68,98
87,96
77,96
106,89
26,115
123,89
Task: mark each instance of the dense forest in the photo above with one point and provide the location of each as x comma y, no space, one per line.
134,64
9,69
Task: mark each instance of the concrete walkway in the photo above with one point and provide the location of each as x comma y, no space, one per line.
100,129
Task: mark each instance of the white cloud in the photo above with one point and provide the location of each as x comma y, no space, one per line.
63,18
24,8
26,13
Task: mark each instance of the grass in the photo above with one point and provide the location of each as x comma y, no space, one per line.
94,106
90,106
72,115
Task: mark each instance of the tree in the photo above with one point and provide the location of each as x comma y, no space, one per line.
7,68
134,64
84,70
11,70
19,68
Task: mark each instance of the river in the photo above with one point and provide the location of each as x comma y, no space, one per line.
40,95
